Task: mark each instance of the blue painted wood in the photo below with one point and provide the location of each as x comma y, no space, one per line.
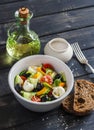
69,19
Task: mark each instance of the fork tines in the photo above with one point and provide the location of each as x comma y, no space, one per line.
80,56
76,48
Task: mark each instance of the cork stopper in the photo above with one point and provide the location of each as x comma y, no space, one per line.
23,12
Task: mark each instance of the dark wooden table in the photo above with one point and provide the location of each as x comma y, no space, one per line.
69,19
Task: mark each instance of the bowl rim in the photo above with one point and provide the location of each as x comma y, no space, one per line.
38,103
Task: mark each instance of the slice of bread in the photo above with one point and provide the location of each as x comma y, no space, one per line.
68,103
83,96
82,101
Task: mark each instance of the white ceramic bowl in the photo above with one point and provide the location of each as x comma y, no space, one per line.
37,60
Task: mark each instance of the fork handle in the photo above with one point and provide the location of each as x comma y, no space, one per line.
90,67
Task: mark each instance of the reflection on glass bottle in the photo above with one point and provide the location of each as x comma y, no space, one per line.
21,40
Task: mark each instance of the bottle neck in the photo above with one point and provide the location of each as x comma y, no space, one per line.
23,22
24,26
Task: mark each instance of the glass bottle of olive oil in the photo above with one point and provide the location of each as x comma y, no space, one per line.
21,40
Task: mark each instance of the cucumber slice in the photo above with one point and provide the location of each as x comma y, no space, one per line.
27,95
18,80
33,81
31,70
53,74
49,71
63,78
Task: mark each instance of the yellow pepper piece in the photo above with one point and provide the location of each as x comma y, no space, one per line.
42,91
36,75
47,85
62,84
40,70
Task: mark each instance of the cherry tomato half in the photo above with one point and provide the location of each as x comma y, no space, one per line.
47,78
45,66
36,99
23,78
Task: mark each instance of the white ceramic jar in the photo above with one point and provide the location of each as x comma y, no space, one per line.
60,48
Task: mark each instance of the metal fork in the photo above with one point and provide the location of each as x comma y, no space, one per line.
80,56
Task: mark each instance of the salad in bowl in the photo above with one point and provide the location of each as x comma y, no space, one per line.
40,83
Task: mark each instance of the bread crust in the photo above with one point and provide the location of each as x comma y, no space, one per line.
68,103
81,102
83,96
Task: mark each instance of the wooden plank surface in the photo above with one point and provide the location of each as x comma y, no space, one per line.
69,19
10,108
9,1
41,7
85,41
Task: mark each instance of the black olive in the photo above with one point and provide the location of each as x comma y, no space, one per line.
45,98
52,97
38,87
18,88
57,76
25,74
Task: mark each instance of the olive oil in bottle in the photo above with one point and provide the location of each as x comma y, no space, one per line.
21,40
